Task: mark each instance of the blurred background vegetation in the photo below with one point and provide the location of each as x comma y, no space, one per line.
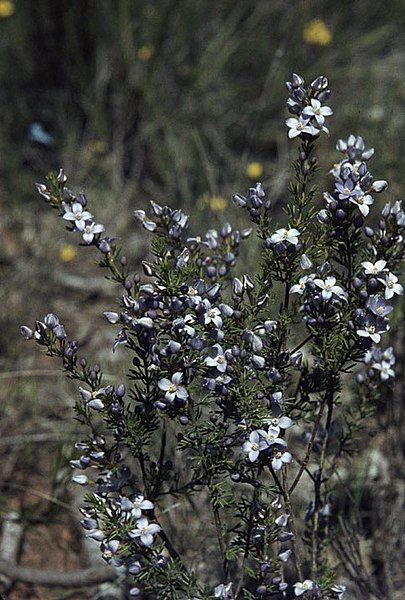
179,101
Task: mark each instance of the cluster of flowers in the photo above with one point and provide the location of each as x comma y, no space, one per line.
307,104
374,284
379,365
222,246
270,442
74,211
206,355
255,202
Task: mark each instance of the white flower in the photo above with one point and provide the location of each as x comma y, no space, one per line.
218,361
78,215
193,296
223,591
173,388
374,268
272,436
285,235
140,504
140,216
318,111
372,328
185,325
213,315
145,531
280,422
89,231
299,288
385,370
391,285
363,201
301,588
299,125
329,288
256,443
92,398
281,458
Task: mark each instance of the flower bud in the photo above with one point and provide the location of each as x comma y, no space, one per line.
320,83
379,186
51,320
60,332
104,246
112,317
297,80
305,262
239,200
324,96
26,332
147,269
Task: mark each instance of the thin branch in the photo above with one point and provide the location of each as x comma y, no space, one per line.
220,531
287,502
307,339
66,579
305,462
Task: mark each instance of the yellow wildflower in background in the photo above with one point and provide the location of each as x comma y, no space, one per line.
317,32
67,253
7,9
97,147
254,170
146,52
215,203
218,203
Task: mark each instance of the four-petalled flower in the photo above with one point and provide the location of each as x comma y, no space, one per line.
285,235
173,388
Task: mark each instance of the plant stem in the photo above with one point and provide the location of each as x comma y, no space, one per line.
305,462
220,532
283,487
318,485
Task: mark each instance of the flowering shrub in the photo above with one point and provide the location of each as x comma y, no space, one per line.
235,386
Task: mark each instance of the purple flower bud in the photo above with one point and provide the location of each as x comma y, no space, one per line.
320,83
297,80
284,536
134,568
239,200
324,96
89,523
104,246
81,199
60,332
51,320
322,216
